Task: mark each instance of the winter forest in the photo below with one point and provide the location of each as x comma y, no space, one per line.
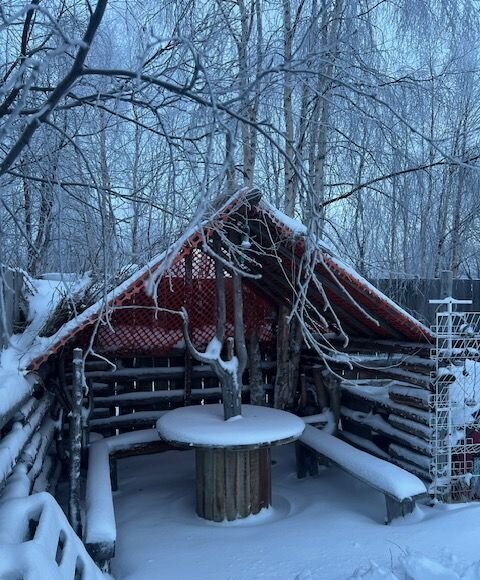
122,121
205,209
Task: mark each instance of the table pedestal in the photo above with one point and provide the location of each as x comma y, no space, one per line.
232,483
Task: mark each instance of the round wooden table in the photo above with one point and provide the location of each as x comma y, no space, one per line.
232,458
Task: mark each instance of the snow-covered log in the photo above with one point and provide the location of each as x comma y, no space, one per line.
410,396
75,443
376,396
100,528
13,443
379,425
409,426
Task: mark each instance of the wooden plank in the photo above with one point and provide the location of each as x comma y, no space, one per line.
306,461
398,509
160,373
74,516
143,449
146,398
188,363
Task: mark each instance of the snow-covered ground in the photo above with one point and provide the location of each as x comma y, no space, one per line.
327,528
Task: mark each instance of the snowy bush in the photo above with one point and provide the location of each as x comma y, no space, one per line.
415,566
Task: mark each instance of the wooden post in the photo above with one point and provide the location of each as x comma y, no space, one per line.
113,473
187,394
75,443
306,460
281,389
321,391
257,387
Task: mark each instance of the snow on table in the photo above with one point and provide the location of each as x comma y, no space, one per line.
374,471
204,426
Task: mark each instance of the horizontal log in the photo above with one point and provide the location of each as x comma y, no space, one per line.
127,420
399,374
47,433
134,398
10,413
99,387
376,394
159,372
404,454
369,359
410,401
371,447
100,413
26,411
421,473
362,443
49,474
13,444
412,427
143,449
379,425
375,345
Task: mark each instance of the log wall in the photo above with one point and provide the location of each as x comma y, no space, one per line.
28,453
136,393
384,400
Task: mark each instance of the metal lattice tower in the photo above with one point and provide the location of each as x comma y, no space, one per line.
455,403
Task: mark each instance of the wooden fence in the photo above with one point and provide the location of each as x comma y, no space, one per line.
414,295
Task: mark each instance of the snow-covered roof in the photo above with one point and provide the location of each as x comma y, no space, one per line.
358,303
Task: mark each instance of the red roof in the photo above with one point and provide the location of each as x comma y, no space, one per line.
362,310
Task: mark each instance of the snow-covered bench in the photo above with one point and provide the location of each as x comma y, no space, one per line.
400,488
38,543
100,528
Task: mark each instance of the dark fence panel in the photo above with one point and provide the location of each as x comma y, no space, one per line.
413,295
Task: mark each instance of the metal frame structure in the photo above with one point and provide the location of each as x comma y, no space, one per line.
455,403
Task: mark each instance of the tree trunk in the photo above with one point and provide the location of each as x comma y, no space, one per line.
257,387
281,390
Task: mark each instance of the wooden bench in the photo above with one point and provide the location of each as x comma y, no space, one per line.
100,528
400,488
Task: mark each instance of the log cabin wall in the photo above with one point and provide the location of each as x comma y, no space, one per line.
383,403
142,388
29,458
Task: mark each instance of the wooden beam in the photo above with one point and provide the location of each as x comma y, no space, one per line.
188,305
75,444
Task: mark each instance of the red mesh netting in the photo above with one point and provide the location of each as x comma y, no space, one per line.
138,328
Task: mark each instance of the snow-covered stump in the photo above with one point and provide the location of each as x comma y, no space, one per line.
232,483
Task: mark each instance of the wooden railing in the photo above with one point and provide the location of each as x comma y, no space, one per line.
37,542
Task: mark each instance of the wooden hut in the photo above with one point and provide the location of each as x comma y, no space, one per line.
137,365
